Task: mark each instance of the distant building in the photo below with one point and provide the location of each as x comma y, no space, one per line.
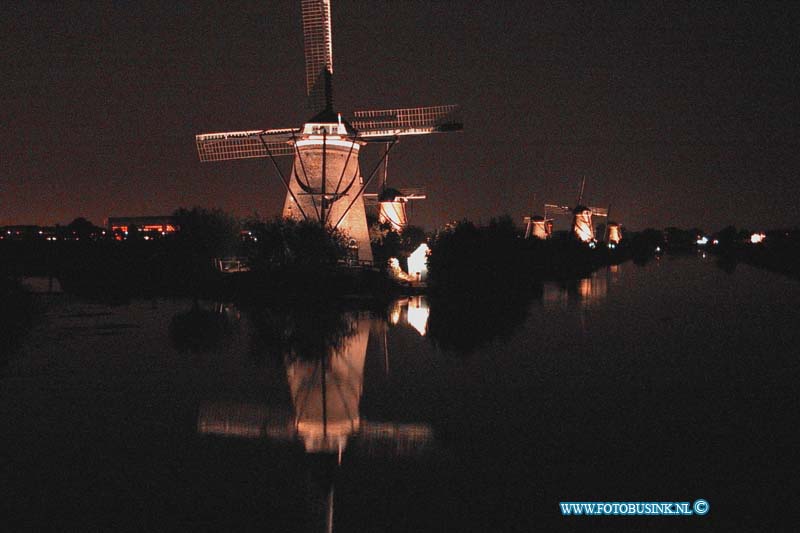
30,233
161,224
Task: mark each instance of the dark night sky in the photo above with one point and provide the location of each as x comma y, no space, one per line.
677,113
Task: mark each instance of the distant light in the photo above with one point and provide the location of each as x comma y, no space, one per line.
715,241
592,245
418,313
146,237
40,232
757,238
658,249
611,245
418,262
702,241
394,315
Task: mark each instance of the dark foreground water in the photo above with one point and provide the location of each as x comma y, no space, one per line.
669,382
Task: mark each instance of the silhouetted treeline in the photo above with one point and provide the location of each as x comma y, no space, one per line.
466,257
495,258
778,252
96,265
300,261
281,244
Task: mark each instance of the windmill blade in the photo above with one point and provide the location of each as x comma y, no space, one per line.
599,211
318,44
252,421
379,125
244,144
412,193
387,439
558,209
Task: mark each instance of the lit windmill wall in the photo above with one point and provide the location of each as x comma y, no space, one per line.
537,227
614,233
582,224
342,177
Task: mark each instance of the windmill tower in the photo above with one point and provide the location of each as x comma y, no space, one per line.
614,233
582,225
326,183
537,227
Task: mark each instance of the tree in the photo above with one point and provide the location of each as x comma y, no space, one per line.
287,243
206,234
82,228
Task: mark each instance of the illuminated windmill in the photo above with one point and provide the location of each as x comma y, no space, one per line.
390,203
538,227
614,233
582,225
326,183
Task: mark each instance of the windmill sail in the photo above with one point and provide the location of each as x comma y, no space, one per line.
387,123
244,144
318,45
554,209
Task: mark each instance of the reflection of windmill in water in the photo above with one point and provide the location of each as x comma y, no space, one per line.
325,418
586,293
326,184
582,225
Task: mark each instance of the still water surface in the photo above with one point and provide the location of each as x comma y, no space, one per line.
669,382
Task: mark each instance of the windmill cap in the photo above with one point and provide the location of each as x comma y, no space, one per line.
580,209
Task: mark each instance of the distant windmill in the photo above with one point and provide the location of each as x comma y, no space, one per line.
582,225
390,203
614,232
537,227
326,182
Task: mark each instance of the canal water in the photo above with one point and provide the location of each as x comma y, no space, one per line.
672,381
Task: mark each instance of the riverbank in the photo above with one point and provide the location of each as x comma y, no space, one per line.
777,253
111,271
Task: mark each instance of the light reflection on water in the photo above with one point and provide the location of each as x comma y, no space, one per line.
413,311
325,411
651,381
325,396
587,293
